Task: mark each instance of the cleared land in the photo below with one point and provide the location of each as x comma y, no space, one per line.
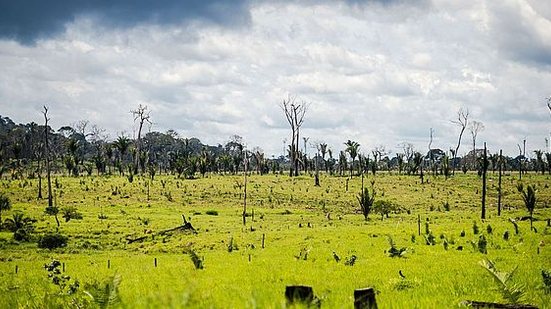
304,227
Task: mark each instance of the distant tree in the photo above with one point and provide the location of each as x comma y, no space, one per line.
352,148
540,165
294,113
323,150
141,115
548,159
122,144
462,121
475,127
342,162
47,155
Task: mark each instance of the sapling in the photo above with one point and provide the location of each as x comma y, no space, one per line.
529,198
511,292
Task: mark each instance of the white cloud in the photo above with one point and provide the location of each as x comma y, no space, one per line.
378,74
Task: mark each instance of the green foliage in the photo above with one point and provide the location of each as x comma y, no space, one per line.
366,199
21,226
71,212
546,277
430,240
482,244
528,196
476,230
510,291
384,208
5,204
104,294
52,241
393,251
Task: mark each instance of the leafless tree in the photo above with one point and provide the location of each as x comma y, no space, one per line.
462,121
294,113
142,115
475,128
47,155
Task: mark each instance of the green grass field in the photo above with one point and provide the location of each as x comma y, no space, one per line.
303,226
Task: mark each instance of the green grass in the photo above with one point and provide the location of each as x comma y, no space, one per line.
295,216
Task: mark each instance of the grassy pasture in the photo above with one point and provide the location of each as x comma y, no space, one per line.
303,226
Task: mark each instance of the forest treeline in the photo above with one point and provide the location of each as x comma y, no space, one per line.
83,149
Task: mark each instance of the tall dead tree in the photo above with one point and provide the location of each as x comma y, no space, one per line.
431,156
475,128
141,115
294,113
462,121
499,193
47,155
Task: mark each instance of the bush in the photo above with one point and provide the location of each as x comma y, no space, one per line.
212,212
52,241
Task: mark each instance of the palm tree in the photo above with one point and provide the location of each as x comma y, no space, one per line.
323,150
20,225
122,144
5,204
529,198
352,149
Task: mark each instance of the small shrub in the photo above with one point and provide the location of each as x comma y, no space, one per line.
462,233
506,235
511,292
430,240
489,229
475,228
394,251
212,212
350,260
52,241
70,212
482,243
546,277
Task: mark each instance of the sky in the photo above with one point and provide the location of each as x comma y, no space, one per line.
381,73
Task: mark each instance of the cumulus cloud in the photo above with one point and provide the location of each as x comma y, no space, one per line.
379,72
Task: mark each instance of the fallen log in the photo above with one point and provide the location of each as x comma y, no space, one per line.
183,228
481,304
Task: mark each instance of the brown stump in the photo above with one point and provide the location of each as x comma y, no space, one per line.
299,294
365,299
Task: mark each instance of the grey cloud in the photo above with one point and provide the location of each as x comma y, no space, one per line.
27,21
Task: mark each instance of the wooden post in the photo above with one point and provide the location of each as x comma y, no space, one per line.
108,264
365,299
250,256
63,266
484,169
263,237
299,294
500,164
16,269
419,224
155,262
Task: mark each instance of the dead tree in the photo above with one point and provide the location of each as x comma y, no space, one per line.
47,155
294,113
499,193
462,121
141,115
475,128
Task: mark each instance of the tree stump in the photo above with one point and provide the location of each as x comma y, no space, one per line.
480,304
299,294
365,299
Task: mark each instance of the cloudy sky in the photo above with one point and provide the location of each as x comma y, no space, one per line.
378,72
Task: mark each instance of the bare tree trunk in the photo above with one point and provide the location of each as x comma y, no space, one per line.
245,191
499,182
484,170
47,155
